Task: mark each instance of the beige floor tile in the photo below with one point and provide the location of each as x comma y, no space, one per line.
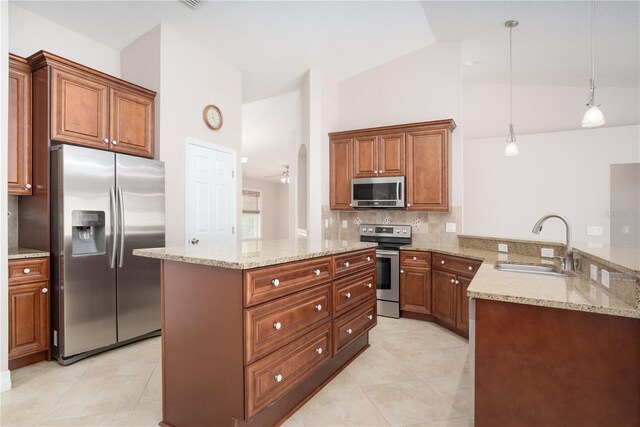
97,420
454,422
437,362
413,402
377,366
146,413
452,386
295,420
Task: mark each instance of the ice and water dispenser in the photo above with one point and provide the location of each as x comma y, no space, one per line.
88,233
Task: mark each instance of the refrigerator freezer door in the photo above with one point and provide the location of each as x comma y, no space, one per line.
83,277
140,184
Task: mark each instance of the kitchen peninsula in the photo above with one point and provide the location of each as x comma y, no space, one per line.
252,331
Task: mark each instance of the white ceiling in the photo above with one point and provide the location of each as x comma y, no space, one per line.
273,43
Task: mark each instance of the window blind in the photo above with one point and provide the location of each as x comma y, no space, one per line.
250,201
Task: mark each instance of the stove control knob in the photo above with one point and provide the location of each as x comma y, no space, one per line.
404,231
398,231
370,230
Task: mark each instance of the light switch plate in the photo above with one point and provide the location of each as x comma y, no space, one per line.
605,278
626,230
503,247
345,223
594,230
546,252
594,272
326,223
451,227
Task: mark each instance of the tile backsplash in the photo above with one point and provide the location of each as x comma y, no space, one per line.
427,226
12,209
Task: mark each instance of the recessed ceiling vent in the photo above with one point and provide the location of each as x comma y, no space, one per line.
192,4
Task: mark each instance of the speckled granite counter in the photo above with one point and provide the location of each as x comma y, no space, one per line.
255,253
23,253
626,260
573,293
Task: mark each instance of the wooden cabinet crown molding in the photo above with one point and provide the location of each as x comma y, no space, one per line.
449,124
43,58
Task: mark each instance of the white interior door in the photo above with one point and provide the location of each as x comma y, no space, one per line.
210,194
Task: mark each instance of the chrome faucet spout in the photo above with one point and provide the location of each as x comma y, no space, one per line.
568,258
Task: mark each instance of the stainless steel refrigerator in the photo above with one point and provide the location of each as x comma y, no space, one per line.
104,205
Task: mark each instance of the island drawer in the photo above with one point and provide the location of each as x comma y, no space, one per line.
353,261
463,266
28,270
353,290
353,324
268,283
415,258
271,325
271,377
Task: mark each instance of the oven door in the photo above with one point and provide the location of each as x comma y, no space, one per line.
388,275
386,192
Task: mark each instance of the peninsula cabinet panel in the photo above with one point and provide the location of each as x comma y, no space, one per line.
427,170
340,173
19,127
415,289
391,155
80,109
365,158
28,319
462,305
444,292
132,129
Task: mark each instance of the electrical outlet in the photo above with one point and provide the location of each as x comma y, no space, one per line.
345,223
594,272
626,229
326,223
546,252
451,227
503,247
594,230
605,278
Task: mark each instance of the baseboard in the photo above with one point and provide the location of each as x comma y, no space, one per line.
5,381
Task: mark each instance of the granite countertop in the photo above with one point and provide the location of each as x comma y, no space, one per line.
253,253
574,292
626,260
23,253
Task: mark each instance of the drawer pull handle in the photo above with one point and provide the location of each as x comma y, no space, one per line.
45,290
370,316
415,258
318,307
275,282
346,263
316,272
277,326
442,262
26,271
470,268
369,285
453,280
278,377
349,331
348,295
368,259
457,282
319,350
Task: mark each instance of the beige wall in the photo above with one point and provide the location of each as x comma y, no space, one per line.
273,208
625,205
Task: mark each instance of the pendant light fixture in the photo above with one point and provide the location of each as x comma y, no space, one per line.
511,149
593,117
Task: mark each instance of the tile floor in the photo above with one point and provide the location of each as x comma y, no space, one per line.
414,374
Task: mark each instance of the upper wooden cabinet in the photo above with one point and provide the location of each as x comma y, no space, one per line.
19,150
96,110
418,151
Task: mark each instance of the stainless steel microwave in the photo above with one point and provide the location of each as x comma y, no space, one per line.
382,192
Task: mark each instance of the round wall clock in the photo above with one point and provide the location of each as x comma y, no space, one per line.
213,117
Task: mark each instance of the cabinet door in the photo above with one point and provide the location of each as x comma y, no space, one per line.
28,318
79,110
19,150
131,123
365,157
462,304
444,296
415,289
427,170
391,155
340,173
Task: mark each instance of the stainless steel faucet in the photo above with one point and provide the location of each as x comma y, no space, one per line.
568,257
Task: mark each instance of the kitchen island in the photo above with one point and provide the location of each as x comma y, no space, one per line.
252,331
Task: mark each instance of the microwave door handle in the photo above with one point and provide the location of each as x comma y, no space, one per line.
398,190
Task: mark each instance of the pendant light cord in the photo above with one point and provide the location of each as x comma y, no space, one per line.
592,92
511,137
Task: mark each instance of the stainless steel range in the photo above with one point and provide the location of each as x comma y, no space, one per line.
389,239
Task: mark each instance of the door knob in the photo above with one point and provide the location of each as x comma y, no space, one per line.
106,140
45,290
27,186
457,282
453,280
114,142
195,241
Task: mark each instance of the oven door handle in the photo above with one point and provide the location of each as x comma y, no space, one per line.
387,253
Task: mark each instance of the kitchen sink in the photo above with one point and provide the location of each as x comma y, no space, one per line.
544,269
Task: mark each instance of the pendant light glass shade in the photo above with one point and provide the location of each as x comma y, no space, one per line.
593,117
511,149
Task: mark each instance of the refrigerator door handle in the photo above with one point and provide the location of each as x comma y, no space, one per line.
114,227
121,224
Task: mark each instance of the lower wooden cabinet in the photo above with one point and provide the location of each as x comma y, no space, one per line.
462,312
444,292
28,318
415,289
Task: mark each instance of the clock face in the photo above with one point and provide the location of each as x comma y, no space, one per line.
213,117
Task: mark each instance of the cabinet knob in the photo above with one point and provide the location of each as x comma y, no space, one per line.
349,331
275,282
470,268
368,259
408,205
369,285
401,271
348,295
316,272
346,263
45,290
26,271
278,377
370,316
319,350
106,140
27,186
318,307
114,142
457,282
453,280
442,262
415,258
277,326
